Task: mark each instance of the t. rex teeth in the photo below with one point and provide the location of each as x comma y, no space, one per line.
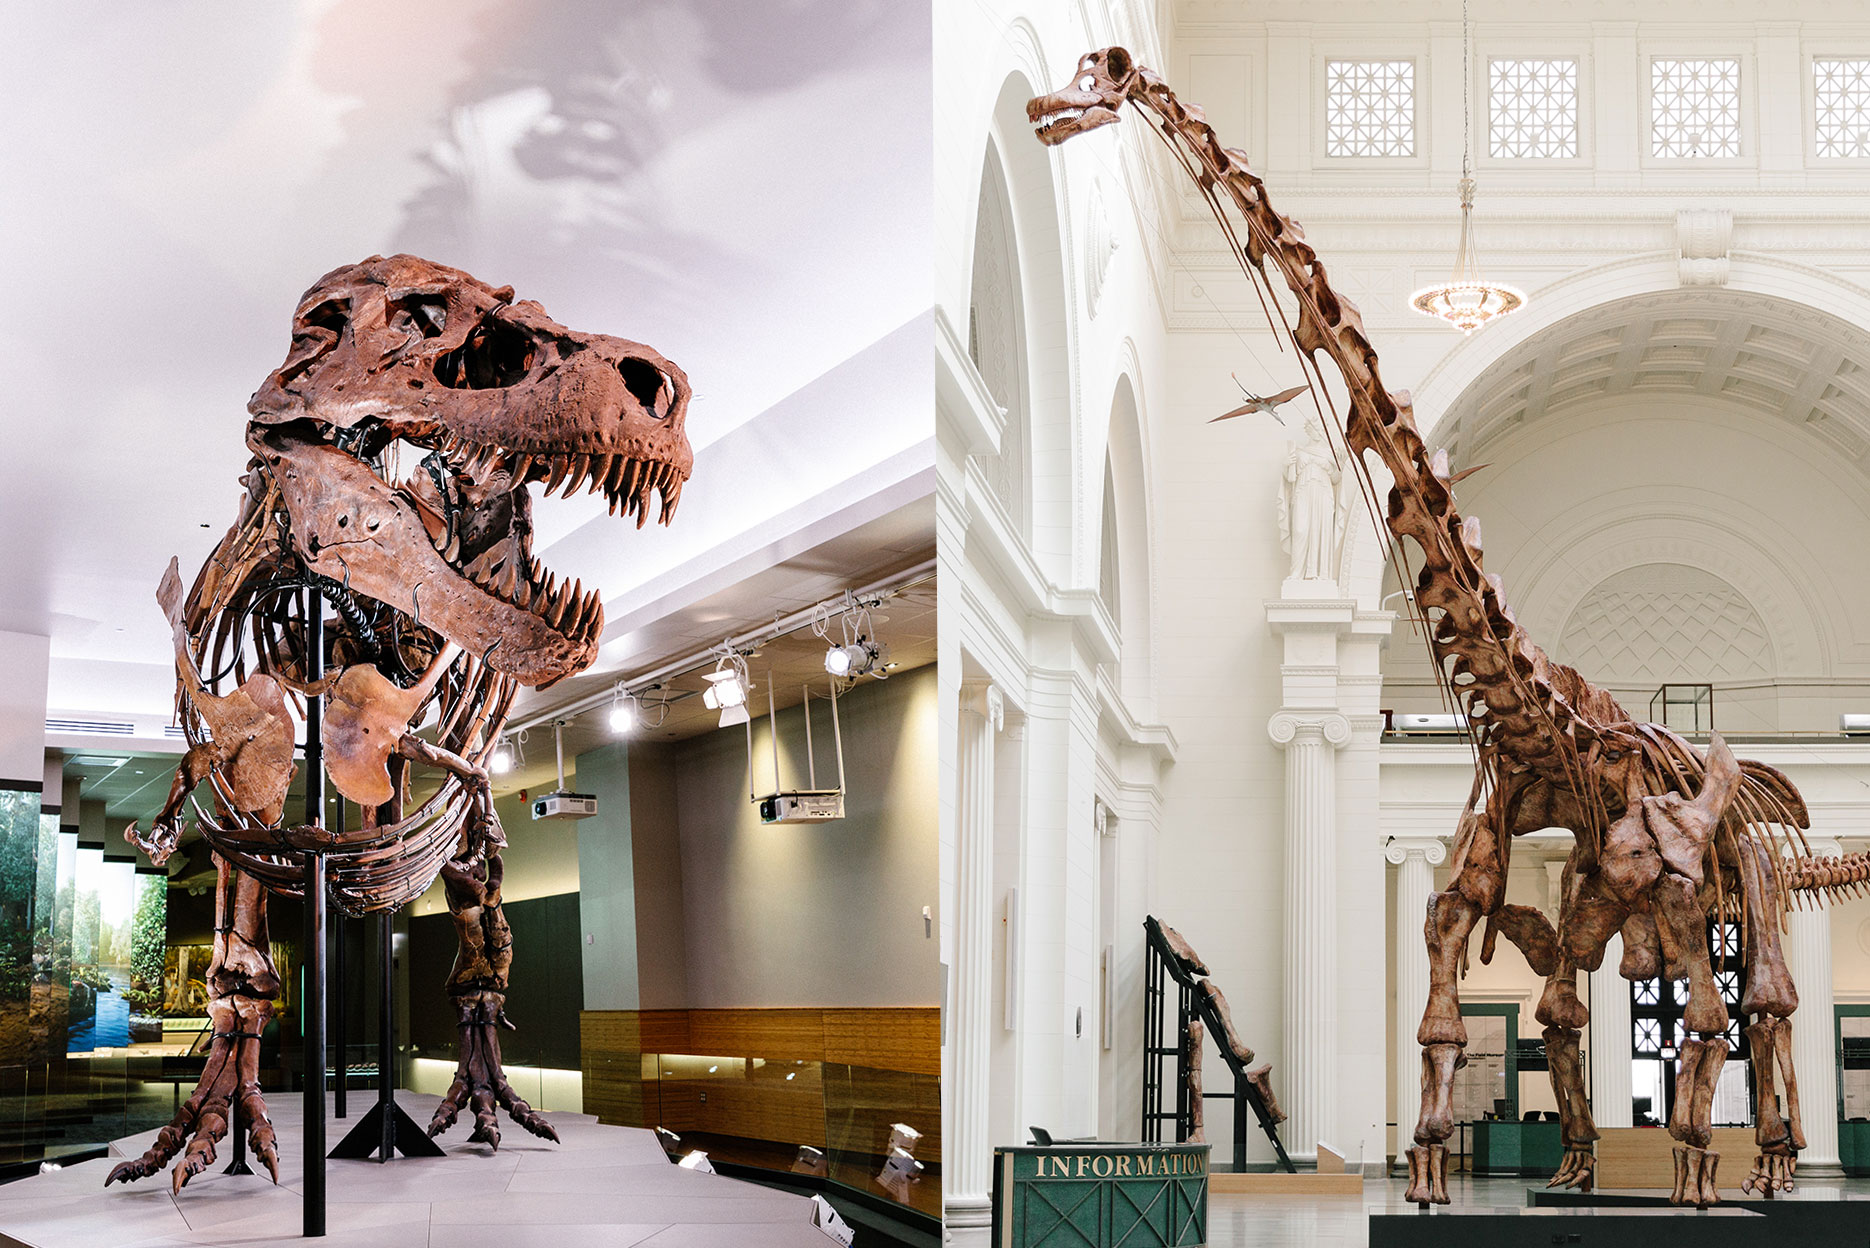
519,465
614,466
453,549
560,466
632,474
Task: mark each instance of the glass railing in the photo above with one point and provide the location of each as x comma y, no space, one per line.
877,1132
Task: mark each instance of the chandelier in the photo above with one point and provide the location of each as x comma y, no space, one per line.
1467,300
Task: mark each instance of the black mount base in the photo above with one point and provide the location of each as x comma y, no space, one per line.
372,1134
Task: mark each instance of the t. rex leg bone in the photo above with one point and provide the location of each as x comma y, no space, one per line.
244,983
478,986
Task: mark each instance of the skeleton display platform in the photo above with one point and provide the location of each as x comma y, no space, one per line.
1460,1226
1824,1214
600,1184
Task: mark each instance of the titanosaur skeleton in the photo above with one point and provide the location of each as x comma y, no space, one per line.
392,452
1668,834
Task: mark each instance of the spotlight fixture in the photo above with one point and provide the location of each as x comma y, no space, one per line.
858,652
623,712
857,658
502,758
508,754
727,689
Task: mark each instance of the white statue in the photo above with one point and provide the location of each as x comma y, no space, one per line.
1308,506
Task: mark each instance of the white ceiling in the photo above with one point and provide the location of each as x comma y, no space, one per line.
1793,363
172,177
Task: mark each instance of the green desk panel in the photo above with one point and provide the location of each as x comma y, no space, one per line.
1516,1147
1101,1196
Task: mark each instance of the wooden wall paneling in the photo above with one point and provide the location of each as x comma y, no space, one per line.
1644,1157
885,1039
791,1034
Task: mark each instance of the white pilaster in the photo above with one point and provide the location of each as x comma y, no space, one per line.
1814,1057
1611,1089
968,1210
1310,740
1415,859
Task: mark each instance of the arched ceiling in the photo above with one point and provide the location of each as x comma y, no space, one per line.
1786,361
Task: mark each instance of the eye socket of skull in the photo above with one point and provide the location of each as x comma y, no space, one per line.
1117,65
315,333
648,385
495,355
418,313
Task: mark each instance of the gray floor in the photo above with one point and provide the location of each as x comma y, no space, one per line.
1344,1222
600,1185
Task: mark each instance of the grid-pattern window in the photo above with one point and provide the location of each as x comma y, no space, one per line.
1694,107
1842,94
1535,109
1370,108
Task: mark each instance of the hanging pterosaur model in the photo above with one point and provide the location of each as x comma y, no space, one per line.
1669,835
392,452
1270,404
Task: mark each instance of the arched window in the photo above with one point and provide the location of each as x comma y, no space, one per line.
1108,587
996,341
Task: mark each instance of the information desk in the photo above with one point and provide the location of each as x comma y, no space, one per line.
1136,1195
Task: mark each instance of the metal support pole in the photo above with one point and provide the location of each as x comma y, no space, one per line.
237,1127
314,996
339,1029
386,1040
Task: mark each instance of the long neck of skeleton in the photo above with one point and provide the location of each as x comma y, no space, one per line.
1478,648
1375,421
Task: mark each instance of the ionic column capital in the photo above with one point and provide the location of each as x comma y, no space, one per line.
1332,727
983,698
1431,849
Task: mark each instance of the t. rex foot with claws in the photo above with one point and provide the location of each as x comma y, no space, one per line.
479,1082
231,1075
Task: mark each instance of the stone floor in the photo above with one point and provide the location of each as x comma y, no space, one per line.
600,1185
1342,1222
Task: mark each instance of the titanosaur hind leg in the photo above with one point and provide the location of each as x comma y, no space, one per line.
1770,998
478,986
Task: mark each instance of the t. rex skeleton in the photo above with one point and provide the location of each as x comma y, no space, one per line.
392,452
1666,834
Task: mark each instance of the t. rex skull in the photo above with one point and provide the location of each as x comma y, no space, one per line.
491,395
1096,92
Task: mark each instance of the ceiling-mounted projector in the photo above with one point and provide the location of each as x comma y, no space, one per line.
802,807
564,806
559,804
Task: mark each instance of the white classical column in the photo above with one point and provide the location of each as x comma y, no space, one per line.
1611,1087
1814,1026
1416,858
968,1203
1311,740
